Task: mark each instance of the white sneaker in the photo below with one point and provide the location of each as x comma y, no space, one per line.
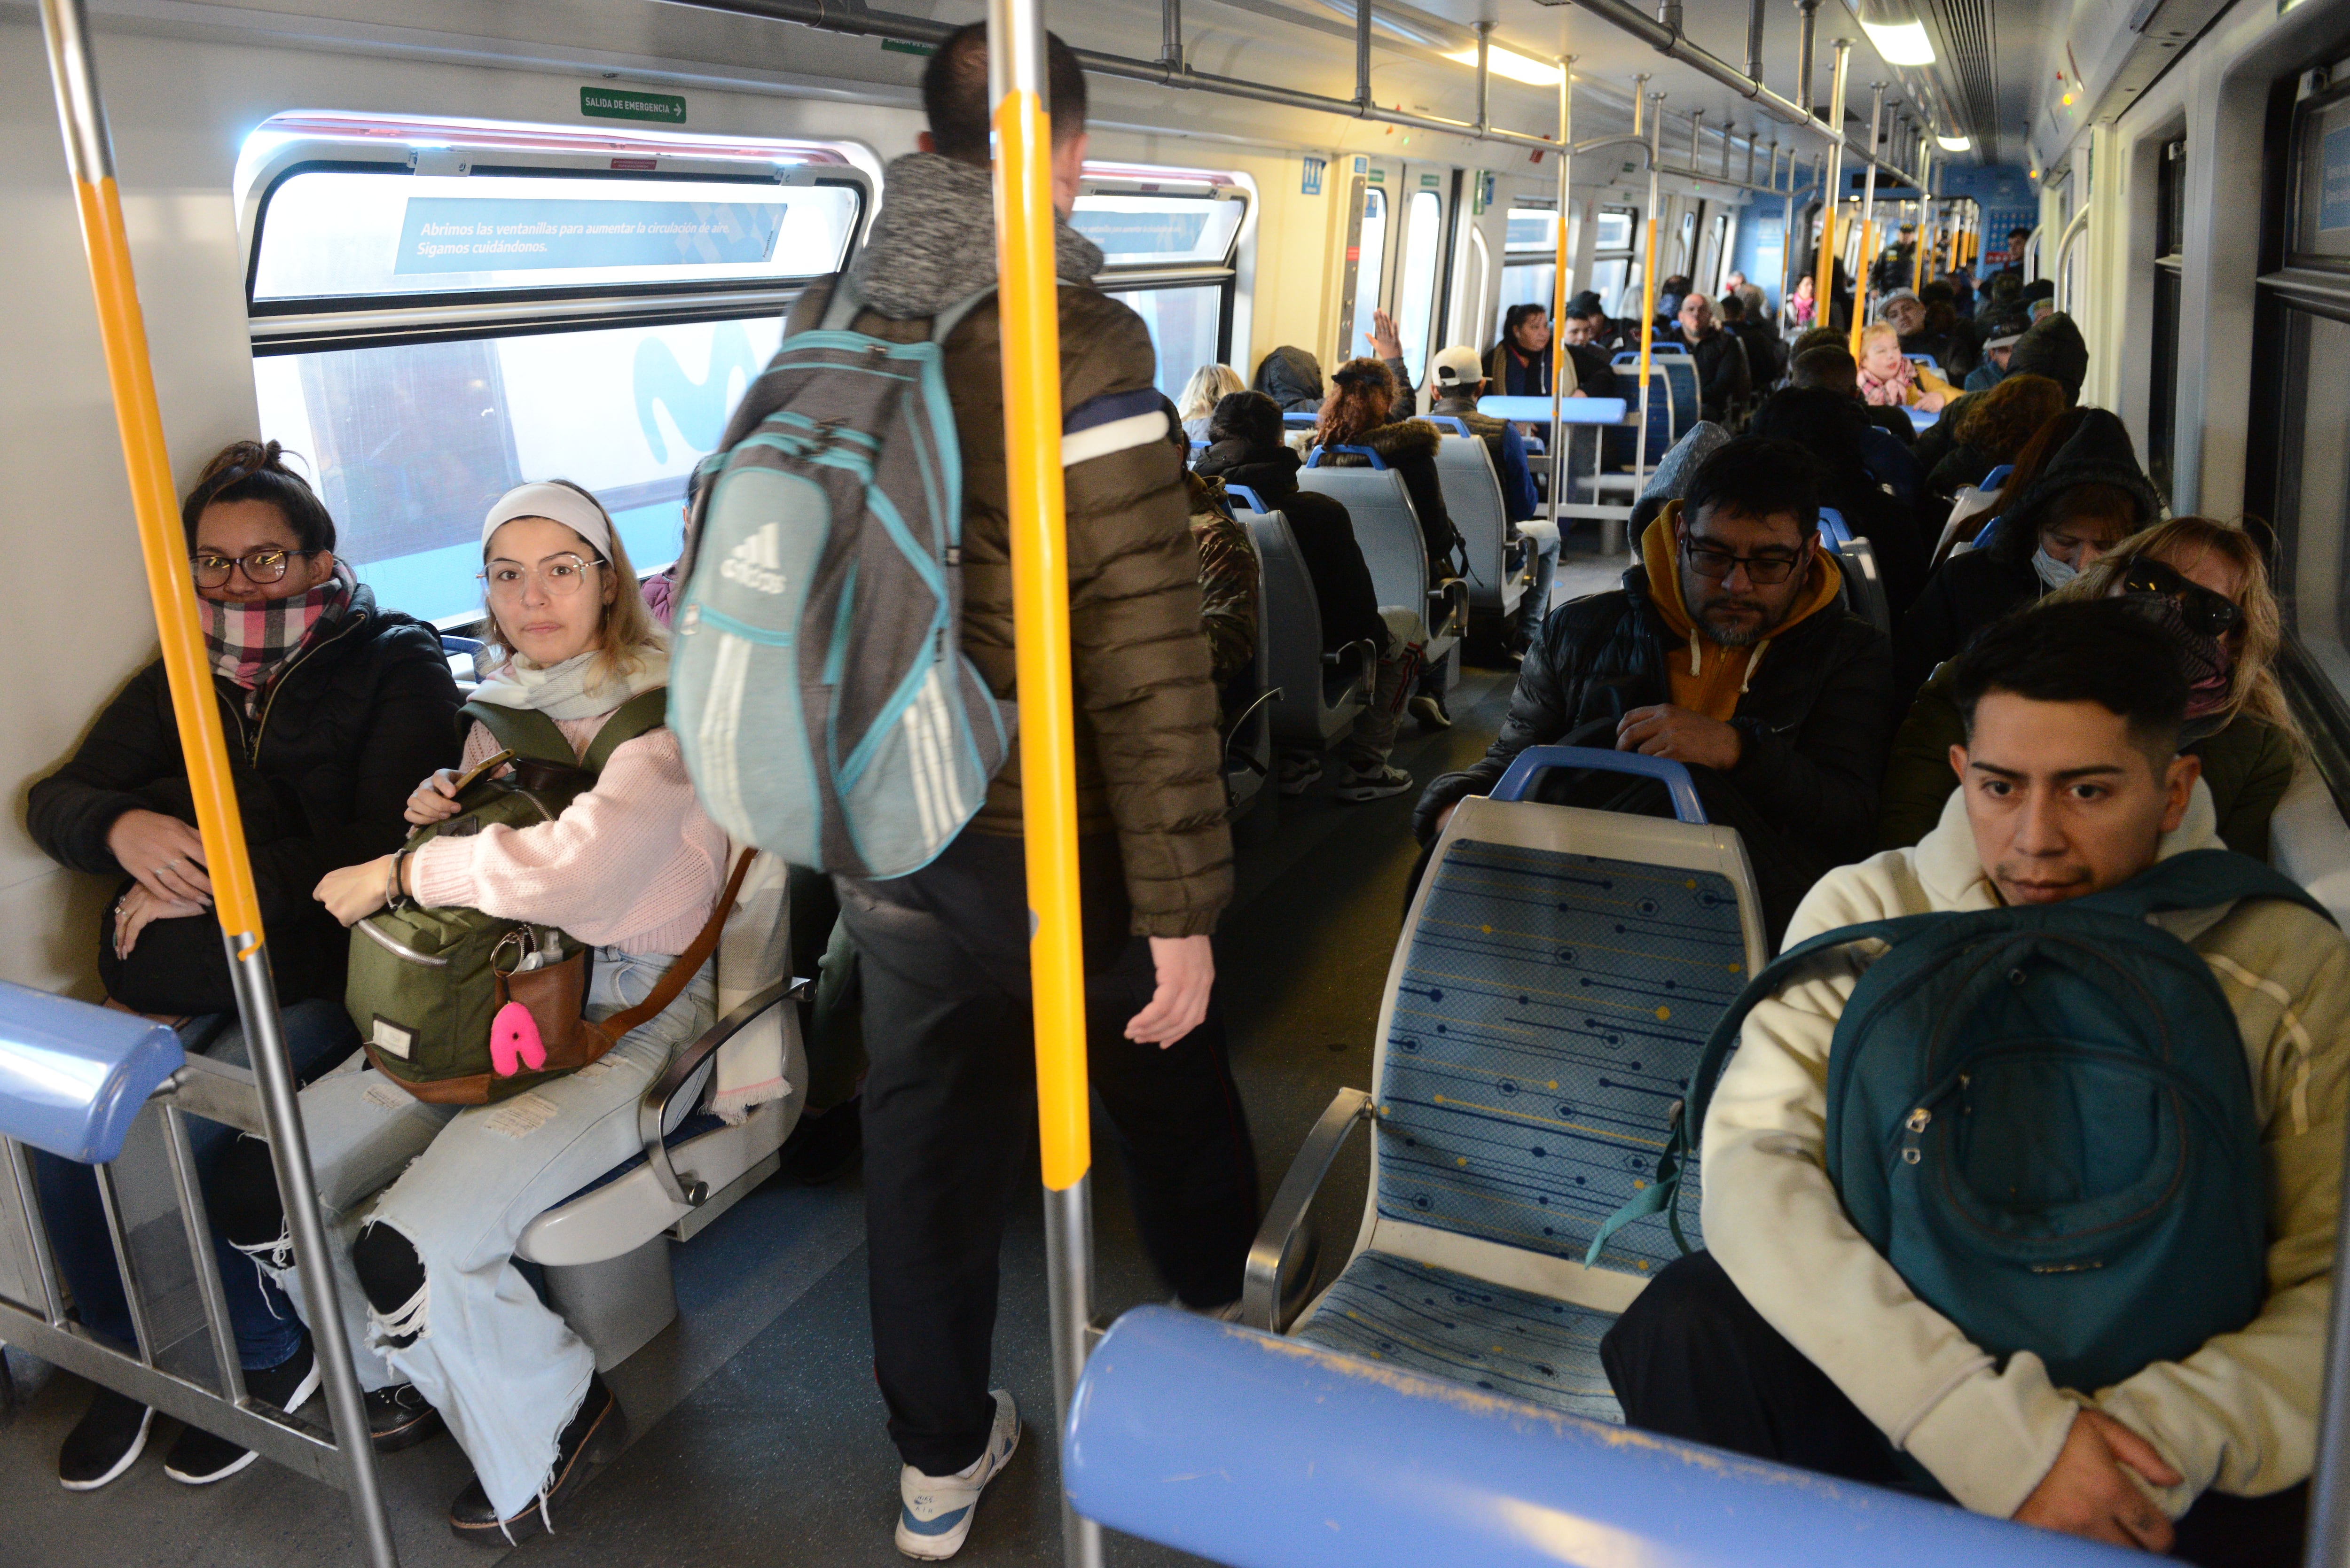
1375,783
934,1512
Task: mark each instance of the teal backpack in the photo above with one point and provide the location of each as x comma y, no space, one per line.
2042,1118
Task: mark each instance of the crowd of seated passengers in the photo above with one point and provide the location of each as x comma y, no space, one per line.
334,706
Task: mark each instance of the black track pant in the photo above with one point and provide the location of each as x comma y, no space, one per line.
950,1103
1692,1359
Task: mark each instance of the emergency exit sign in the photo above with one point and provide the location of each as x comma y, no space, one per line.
611,103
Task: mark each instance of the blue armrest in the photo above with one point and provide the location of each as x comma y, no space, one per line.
73,1077
1314,458
1535,760
1275,1453
1242,493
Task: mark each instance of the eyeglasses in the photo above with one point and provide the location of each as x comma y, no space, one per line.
261,568
1713,564
2211,614
558,577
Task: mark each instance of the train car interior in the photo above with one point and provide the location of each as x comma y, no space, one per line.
444,252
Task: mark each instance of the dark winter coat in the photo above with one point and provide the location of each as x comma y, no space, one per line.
1292,377
1410,448
1814,726
1325,535
1723,379
351,727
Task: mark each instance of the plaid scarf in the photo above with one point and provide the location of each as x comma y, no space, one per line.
1893,393
250,645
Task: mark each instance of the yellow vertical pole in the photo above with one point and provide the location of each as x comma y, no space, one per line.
204,741
1028,295
1559,257
1867,212
1649,288
1924,242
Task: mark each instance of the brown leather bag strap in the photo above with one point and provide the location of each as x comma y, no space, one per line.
684,967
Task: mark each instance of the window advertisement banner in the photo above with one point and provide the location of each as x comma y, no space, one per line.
472,234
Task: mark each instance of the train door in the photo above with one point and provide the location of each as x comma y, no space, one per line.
1369,253
1425,200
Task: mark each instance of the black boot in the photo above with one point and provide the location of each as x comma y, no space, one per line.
595,1437
399,1417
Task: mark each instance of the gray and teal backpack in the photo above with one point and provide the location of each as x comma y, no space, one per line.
817,682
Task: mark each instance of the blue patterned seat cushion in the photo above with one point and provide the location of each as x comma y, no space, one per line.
1464,1329
1551,1008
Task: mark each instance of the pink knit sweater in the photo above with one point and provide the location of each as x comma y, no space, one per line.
633,863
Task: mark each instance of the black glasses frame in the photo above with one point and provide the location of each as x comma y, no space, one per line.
217,577
1762,571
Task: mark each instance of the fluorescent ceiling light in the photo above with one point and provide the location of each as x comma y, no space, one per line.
1509,63
1900,43
1955,143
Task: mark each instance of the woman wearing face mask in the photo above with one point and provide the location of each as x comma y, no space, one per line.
329,701
2206,582
425,1202
2076,491
1519,365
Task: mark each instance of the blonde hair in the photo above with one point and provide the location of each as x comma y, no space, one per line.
1876,330
2253,686
1209,385
624,634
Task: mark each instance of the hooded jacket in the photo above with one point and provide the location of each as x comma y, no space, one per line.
1509,375
1813,714
1706,677
356,722
2053,348
1836,430
1292,377
1325,534
1409,446
1724,380
2241,1414
1148,759
1970,591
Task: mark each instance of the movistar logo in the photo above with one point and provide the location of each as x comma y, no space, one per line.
757,562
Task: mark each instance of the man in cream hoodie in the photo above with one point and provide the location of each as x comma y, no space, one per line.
1794,1339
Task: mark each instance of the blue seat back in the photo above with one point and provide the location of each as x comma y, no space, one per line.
1680,380
1984,538
1241,496
1473,496
1996,477
73,1077
1925,360
1621,444
1453,422
1314,458
1387,529
1552,999
1833,532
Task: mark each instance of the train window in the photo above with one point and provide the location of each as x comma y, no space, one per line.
1423,238
1717,251
2170,229
1370,256
386,233
1616,229
1611,265
440,310
1529,260
1689,242
1170,239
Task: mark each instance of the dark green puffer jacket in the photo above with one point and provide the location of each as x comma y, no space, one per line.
2248,766
1149,762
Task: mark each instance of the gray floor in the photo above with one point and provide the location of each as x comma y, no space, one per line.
757,1431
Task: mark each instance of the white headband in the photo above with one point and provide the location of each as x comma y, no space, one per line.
556,504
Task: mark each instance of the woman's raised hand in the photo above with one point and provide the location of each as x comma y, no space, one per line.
435,800
164,854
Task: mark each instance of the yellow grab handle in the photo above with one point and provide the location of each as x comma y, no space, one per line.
1649,316
1029,297
122,330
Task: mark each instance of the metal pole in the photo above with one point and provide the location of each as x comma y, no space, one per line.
1925,208
122,330
45,1261
1170,22
1832,189
1806,35
1485,74
1754,43
1363,53
1867,220
197,1223
1558,354
1029,300
1648,290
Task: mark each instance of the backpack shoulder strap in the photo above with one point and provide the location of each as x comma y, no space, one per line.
641,714
947,320
841,305
522,730
2201,880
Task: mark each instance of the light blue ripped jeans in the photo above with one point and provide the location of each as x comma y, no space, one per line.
461,1185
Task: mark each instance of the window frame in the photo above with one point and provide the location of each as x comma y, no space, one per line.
2169,277
395,146
1108,179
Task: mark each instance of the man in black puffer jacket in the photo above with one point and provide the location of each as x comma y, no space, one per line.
1778,699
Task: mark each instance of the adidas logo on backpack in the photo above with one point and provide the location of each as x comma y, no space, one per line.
755,563
817,683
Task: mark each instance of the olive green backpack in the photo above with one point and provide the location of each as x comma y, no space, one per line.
426,983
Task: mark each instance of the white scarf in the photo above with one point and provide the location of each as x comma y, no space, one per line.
574,688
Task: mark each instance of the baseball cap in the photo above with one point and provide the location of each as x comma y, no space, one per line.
1458,367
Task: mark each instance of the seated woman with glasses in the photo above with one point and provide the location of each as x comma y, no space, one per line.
2206,583
333,705
425,1202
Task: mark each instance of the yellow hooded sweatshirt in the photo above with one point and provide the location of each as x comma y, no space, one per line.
1708,678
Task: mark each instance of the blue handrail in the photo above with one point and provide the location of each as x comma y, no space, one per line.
1275,1453
1833,532
1996,477
73,1077
451,643
1314,458
1982,540
1458,425
1300,419
1243,493
1674,776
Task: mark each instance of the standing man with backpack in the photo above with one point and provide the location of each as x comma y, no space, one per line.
2037,1206
949,1098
